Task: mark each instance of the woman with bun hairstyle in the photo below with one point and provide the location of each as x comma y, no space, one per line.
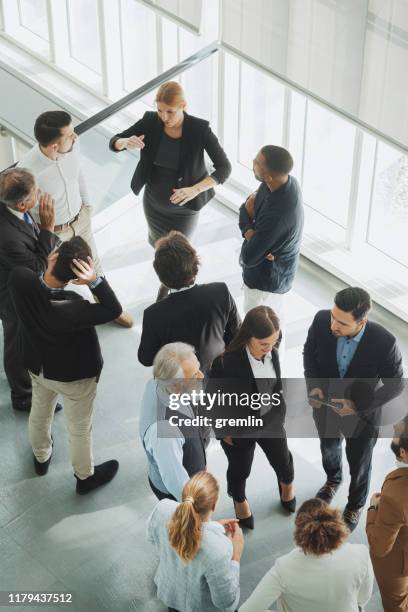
199,558
324,573
171,167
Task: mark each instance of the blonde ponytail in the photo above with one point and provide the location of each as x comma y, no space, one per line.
199,497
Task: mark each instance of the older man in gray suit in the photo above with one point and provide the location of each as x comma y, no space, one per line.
174,452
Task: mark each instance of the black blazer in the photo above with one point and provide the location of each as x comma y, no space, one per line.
205,316
376,359
231,372
57,329
21,244
196,138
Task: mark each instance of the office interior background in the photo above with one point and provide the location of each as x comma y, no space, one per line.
327,79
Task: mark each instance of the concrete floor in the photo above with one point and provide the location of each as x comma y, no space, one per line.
53,540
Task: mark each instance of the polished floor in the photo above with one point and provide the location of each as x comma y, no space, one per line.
94,546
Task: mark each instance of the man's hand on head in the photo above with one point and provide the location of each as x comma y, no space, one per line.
84,271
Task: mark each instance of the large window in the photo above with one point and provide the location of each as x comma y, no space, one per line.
388,222
27,22
83,31
33,16
138,44
328,163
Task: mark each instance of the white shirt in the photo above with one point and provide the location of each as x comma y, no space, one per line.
340,581
61,178
182,289
16,213
261,368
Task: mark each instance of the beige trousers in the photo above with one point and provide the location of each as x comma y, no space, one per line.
82,227
78,399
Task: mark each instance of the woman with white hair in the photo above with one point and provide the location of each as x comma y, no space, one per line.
175,451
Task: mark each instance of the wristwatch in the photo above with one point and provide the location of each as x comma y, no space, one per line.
372,508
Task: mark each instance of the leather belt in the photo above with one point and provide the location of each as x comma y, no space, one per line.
59,228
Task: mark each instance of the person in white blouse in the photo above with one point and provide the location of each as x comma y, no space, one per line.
199,558
323,573
56,164
250,367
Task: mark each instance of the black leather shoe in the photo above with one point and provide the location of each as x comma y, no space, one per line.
22,405
328,491
25,406
42,468
290,506
103,473
247,522
351,516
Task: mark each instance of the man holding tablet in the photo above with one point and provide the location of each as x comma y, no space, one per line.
352,367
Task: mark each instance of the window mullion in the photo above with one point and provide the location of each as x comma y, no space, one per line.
111,48
58,31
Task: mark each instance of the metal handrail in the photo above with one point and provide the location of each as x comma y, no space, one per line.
138,93
206,52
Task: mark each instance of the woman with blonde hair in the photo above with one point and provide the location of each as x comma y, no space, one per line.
323,573
199,558
171,167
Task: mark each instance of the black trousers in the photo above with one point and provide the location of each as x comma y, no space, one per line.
159,494
241,455
17,375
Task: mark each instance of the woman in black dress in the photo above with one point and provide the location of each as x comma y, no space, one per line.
171,166
250,366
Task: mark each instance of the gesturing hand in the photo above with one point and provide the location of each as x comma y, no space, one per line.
135,142
229,525
183,195
84,271
46,211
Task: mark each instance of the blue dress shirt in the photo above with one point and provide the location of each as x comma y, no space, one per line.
346,347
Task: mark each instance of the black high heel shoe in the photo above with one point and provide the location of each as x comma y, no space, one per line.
247,522
290,506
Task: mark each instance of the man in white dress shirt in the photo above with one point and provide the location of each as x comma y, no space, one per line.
55,162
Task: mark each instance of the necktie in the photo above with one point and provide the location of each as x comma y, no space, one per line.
27,218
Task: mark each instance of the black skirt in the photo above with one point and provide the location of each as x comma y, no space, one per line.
161,215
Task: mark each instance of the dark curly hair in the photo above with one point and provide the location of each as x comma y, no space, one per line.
319,529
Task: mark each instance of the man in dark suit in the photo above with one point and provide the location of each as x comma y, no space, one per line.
204,316
62,353
271,223
22,243
355,366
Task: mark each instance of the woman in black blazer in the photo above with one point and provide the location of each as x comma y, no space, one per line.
171,166
250,365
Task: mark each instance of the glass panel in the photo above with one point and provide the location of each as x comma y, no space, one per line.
388,225
261,113
84,33
139,34
328,163
197,85
33,15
